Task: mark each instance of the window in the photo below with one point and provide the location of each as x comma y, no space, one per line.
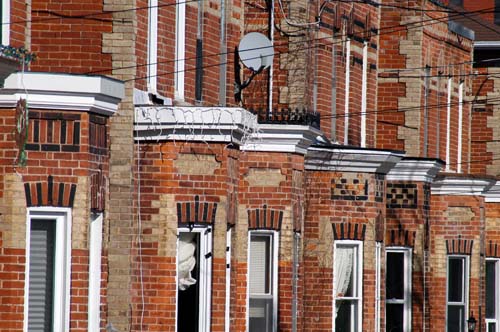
95,248
262,282
457,290
347,284
194,279
459,3
492,295
398,290
5,28
48,270
497,11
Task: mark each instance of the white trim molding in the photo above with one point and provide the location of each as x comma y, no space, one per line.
351,159
492,195
415,169
5,22
463,186
62,264
97,94
220,124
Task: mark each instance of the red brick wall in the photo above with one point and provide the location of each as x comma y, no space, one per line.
323,210
66,39
447,228
65,167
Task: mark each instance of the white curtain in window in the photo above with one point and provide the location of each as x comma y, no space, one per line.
343,270
187,260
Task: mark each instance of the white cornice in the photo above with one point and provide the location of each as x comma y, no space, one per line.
282,138
492,195
95,94
190,123
349,159
462,186
487,44
220,124
415,169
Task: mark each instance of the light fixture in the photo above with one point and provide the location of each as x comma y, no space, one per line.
471,322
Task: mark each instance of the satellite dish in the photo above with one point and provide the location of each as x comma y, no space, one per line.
256,51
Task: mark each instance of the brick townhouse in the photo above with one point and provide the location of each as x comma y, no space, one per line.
151,181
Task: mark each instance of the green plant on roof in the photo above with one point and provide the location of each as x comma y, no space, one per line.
17,53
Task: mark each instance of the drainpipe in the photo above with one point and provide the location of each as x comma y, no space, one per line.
295,279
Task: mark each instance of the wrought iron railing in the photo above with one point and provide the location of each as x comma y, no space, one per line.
288,116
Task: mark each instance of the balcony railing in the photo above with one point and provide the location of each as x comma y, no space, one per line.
288,116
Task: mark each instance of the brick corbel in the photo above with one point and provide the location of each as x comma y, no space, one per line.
493,250
50,193
400,237
349,231
265,219
196,212
459,246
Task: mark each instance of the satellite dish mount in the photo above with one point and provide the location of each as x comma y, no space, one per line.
256,52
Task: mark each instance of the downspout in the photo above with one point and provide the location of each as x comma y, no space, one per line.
333,130
295,279
378,249
438,124
347,84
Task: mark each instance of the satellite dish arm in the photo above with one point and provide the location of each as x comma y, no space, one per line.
238,86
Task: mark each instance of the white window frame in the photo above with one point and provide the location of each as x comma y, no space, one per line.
407,252
5,19
228,280
274,235
347,87
152,46
465,287
448,124
62,264
495,321
205,276
364,93
358,281
460,125
180,49
95,252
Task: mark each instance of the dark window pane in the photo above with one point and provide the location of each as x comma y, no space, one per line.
346,314
395,275
41,275
455,279
456,319
261,315
497,11
394,317
490,289
492,327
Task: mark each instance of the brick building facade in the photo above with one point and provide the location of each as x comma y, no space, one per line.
350,186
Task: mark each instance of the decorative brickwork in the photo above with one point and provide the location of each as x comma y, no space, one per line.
400,237
379,188
402,195
196,212
492,250
97,191
265,219
54,131
98,135
349,231
49,193
349,189
459,246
